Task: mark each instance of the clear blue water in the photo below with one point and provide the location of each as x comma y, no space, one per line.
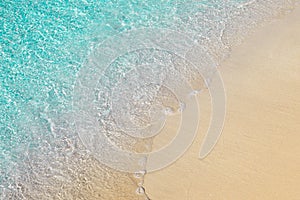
42,47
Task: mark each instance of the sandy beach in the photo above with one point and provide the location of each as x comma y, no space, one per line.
258,154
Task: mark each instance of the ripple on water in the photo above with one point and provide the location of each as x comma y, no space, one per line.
43,46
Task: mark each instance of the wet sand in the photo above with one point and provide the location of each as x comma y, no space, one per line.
258,154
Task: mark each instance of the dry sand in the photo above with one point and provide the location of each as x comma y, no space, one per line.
258,154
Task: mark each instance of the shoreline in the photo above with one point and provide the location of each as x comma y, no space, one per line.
82,176
257,155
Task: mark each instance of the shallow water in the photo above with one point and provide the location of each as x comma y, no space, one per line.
44,49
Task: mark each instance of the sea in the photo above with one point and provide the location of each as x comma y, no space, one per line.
70,70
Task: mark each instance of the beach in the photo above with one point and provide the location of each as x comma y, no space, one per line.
96,96
258,153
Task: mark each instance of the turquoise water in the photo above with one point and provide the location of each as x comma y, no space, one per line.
43,46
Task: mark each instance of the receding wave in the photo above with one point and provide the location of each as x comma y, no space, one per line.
49,67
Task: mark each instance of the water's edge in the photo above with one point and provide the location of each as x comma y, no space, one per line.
38,165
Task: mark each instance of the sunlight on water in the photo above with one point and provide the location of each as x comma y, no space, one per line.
43,47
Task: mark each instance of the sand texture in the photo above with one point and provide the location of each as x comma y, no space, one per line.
258,154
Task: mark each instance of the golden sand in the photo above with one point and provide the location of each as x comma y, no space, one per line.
258,154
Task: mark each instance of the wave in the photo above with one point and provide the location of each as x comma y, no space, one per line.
42,156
